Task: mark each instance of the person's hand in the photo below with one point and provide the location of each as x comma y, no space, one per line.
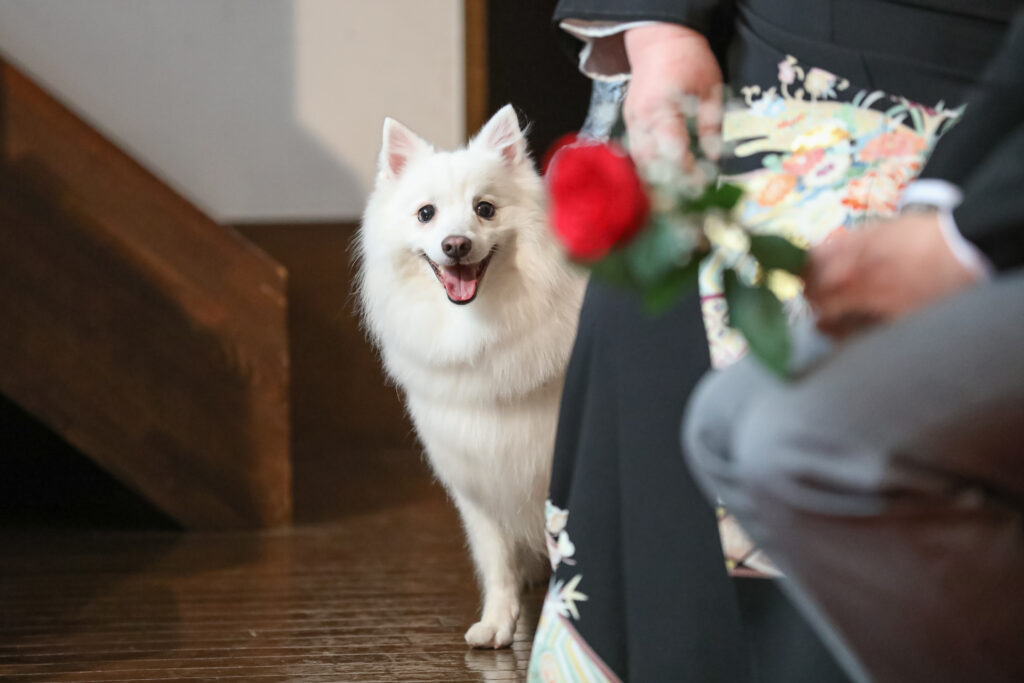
882,272
668,61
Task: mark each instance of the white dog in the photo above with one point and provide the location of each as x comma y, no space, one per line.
474,309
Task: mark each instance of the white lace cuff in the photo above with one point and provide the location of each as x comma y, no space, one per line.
603,57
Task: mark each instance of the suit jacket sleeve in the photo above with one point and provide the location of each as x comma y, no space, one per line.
984,155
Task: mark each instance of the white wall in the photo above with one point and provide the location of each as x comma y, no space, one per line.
256,110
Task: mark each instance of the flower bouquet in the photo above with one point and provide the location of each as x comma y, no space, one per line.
649,228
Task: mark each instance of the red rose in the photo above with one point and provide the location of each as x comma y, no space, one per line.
556,146
597,200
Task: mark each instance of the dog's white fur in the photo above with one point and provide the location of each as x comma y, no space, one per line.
482,381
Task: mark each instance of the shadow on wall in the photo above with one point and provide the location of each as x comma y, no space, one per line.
201,93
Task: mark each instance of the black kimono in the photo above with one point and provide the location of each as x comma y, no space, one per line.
655,602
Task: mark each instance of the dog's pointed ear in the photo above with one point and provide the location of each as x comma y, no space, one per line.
400,147
503,135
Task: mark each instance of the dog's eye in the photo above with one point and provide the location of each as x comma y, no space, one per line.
425,213
485,210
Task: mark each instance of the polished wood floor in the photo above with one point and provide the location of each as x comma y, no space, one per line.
373,583
381,595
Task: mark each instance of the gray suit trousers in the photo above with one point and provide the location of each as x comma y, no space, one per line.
887,482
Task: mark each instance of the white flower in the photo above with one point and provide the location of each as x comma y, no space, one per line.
557,518
820,83
563,598
726,234
783,285
712,145
560,548
687,104
565,547
554,556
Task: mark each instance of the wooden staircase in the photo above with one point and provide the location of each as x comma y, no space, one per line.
149,337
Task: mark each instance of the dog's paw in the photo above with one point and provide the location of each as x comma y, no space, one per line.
491,633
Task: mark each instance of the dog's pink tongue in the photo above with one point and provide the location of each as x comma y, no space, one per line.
460,281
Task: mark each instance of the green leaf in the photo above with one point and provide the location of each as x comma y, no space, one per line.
724,196
649,253
759,316
613,269
660,296
657,250
777,253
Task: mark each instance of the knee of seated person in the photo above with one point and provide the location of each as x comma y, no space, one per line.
765,452
715,404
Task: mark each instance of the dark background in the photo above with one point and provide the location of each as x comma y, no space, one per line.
527,67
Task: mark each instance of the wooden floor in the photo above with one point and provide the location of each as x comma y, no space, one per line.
382,595
373,583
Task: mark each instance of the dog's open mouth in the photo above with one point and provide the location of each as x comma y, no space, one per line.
462,280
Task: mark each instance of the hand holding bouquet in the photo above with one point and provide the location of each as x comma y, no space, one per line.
650,227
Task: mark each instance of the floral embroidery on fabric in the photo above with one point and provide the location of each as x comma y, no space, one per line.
562,595
826,165
742,557
560,548
559,653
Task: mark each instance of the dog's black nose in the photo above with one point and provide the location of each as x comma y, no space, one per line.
456,246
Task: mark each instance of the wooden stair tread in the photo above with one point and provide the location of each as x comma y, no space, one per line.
151,338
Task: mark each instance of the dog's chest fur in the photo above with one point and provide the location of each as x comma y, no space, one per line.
483,390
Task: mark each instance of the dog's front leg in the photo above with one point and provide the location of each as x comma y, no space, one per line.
495,558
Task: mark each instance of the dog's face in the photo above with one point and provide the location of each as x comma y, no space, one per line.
449,214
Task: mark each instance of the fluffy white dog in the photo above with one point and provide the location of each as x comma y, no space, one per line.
474,309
